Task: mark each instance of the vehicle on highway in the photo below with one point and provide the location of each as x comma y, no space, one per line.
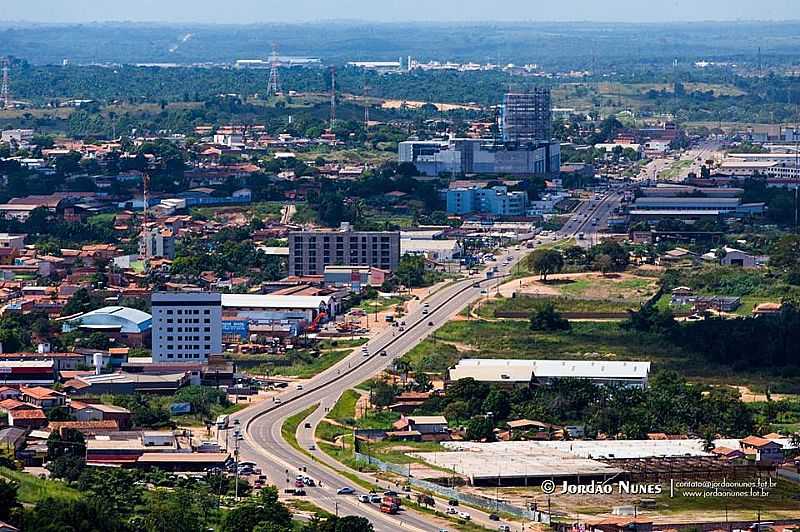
312,447
426,305
222,422
464,515
375,498
383,353
484,292
276,399
307,425
424,311
364,498
494,517
300,492
388,509
298,484
581,236
453,502
451,511
347,490
298,387
503,528
430,324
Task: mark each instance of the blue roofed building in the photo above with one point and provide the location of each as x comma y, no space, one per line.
129,326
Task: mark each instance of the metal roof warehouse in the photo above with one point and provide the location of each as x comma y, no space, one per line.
512,371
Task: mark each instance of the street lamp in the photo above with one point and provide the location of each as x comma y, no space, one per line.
237,434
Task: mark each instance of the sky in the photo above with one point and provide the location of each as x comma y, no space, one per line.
255,11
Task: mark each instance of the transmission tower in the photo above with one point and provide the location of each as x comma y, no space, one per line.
145,231
274,86
5,89
333,98
366,107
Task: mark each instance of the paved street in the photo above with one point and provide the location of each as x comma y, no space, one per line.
264,444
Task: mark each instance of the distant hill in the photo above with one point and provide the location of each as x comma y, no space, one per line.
555,45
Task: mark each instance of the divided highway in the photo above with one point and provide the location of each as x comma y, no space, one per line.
261,423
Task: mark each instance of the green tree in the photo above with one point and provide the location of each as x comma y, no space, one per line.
480,428
9,502
64,515
604,263
546,318
546,262
264,512
411,271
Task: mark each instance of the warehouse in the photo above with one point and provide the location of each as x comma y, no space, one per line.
277,307
27,372
526,372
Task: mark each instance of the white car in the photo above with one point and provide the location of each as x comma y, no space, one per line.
451,511
464,515
299,387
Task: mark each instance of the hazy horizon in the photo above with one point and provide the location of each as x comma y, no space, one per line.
405,11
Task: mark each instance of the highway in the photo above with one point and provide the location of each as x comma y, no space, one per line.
261,423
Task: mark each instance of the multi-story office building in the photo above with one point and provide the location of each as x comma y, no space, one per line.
311,251
186,326
497,201
481,156
527,116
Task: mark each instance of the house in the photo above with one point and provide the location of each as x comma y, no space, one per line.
6,392
407,402
681,295
718,303
422,424
100,412
767,309
728,454
43,397
87,428
765,451
12,439
34,418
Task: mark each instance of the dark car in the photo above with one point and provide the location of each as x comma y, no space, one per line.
494,517
453,502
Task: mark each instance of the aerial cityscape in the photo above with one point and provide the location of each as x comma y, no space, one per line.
355,267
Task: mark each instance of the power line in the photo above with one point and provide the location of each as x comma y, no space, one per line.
5,89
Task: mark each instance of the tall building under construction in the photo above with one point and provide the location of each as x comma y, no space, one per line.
526,116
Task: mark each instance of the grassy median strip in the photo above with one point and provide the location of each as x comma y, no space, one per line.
290,424
344,410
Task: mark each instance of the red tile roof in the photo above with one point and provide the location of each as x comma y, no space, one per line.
34,413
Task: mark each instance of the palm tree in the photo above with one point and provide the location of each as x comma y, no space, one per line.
403,367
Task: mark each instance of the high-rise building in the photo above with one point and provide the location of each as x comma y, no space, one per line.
186,326
526,116
311,251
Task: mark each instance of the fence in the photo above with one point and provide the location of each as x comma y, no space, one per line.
485,503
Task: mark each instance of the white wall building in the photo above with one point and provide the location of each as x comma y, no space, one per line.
186,326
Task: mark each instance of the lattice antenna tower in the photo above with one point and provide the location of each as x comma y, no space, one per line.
333,98
274,86
5,89
366,105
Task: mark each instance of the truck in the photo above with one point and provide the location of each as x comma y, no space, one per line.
392,500
388,509
222,422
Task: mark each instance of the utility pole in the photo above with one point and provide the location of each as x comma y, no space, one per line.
145,235
236,435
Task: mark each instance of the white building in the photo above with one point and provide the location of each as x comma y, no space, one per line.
436,250
525,372
8,241
277,307
186,326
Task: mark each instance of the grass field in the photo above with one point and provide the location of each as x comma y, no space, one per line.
562,304
289,427
33,489
302,370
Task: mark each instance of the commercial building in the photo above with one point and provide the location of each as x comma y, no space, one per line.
186,325
526,116
311,251
481,156
435,250
27,372
529,372
128,325
497,201
354,278
270,307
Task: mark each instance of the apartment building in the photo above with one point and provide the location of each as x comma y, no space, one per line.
311,251
186,326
